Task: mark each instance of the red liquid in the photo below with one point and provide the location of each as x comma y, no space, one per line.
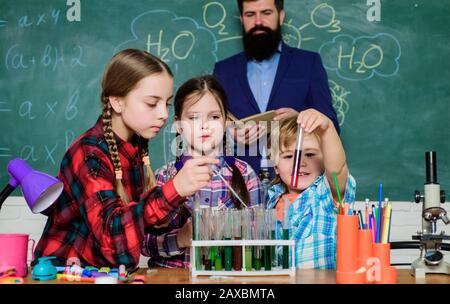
296,168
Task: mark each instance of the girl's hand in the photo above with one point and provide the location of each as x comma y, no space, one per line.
194,175
184,235
312,119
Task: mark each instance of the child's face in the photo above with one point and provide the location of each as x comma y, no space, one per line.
144,110
202,126
310,167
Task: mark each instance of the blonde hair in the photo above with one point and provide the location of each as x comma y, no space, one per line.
122,74
281,138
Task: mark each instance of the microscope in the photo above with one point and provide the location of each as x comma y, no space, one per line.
431,259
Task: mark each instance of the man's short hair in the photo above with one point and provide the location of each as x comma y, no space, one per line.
279,4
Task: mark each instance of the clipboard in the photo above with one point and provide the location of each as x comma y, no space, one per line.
264,116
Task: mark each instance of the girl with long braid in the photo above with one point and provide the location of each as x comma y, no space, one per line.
200,119
108,201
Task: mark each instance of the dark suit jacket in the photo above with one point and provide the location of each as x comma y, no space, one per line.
300,83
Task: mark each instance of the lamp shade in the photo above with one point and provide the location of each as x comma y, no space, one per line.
40,190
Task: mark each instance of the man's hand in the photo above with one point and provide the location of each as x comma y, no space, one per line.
247,134
284,113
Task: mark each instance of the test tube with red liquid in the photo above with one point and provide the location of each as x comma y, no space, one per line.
297,158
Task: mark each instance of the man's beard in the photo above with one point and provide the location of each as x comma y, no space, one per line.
262,46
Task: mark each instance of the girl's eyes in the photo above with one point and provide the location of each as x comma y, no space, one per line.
287,156
310,155
215,117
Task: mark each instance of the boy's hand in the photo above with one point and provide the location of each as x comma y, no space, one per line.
311,119
194,175
184,235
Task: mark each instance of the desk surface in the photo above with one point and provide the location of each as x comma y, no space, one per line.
182,276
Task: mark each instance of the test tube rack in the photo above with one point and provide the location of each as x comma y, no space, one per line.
273,272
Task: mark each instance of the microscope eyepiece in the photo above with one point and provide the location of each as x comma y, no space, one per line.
430,162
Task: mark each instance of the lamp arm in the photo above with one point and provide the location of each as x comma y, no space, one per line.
5,193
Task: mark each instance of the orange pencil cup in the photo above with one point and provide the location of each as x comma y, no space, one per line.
347,251
387,273
365,248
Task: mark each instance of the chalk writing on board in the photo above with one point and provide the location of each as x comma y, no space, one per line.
214,9
340,103
363,57
322,17
39,19
3,23
36,153
72,107
18,57
69,136
4,107
5,152
176,40
46,109
25,110
319,18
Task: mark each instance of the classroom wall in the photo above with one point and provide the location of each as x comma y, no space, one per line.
16,217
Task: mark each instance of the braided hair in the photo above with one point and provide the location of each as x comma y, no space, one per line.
122,74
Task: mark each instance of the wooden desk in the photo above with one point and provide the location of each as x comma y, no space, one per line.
182,276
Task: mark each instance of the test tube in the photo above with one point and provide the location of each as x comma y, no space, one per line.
228,250
258,229
218,235
273,236
297,158
286,233
267,236
206,217
237,235
196,233
247,235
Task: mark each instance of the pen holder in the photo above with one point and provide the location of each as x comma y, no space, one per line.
388,274
348,268
365,248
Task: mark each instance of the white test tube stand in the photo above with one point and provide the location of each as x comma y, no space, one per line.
209,243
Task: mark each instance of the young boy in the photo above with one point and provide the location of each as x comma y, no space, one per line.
312,205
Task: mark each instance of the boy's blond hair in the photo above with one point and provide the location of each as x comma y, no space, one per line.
283,136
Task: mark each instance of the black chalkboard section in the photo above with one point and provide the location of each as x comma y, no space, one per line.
389,78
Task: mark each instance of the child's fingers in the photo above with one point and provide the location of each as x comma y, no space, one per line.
306,120
300,117
316,123
204,160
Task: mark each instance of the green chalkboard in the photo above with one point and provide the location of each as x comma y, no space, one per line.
389,78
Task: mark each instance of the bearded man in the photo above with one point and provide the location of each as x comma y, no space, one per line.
270,75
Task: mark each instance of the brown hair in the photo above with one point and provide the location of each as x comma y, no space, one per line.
192,91
122,74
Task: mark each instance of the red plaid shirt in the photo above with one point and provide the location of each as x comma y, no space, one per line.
89,221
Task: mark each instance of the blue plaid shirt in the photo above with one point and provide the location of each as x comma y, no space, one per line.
312,218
